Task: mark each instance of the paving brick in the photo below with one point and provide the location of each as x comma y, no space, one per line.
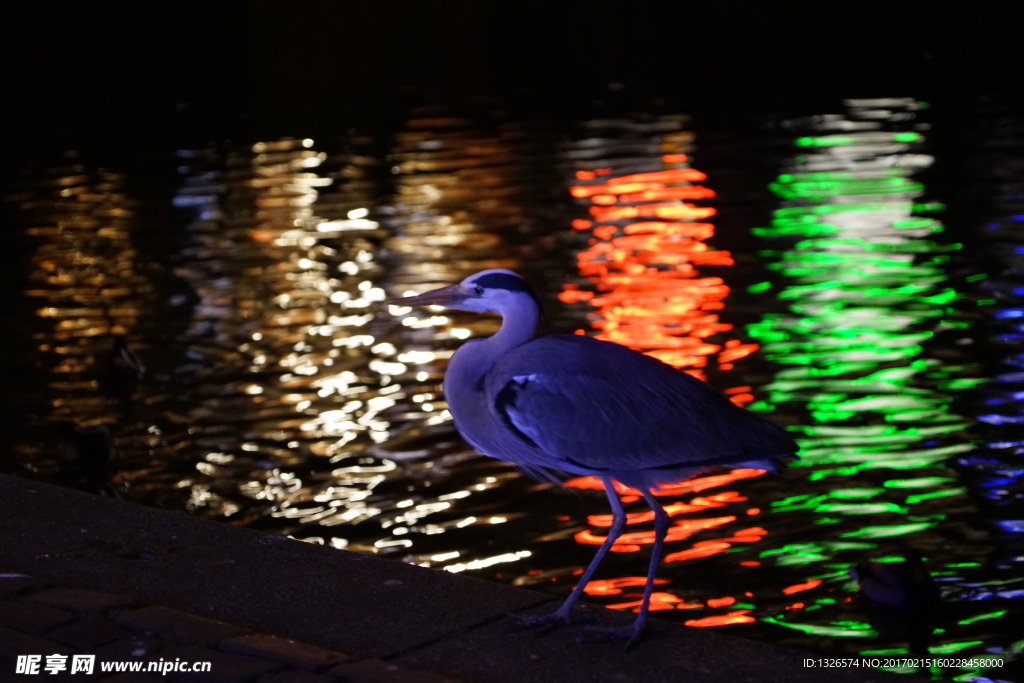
80,599
167,621
89,634
379,671
14,643
278,649
224,667
11,583
32,618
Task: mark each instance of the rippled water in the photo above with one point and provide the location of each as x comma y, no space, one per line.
855,275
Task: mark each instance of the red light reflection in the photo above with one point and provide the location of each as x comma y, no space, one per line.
695,505
680,529
738,617
658,601
813,583
690,486
646,241
615,586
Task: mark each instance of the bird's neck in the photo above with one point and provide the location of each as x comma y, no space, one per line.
466,376
473,360
515,331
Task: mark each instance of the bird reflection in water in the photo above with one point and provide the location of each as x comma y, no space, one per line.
569,404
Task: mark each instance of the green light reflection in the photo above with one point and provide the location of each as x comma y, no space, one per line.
981,617
860,275
846,630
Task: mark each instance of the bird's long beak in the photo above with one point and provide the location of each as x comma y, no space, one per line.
446,296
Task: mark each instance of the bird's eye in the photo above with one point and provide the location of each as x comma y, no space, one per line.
478,290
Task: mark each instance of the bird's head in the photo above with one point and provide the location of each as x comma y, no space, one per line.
496,290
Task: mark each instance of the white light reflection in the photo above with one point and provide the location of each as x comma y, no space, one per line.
432,321
417,357
488,562
355,341
440,418
384,367
444,557
346,225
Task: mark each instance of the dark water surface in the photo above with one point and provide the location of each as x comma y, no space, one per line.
856,274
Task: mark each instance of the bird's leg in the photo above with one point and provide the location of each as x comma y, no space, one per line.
636,629
660,532
549,621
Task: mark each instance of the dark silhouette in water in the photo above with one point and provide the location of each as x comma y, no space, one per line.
900,599
120,372
88,458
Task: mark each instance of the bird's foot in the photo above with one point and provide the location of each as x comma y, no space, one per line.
632,634
541,623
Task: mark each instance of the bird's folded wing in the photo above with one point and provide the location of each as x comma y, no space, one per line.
593,404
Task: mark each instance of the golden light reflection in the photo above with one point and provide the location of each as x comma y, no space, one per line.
283,265
459,202
90,291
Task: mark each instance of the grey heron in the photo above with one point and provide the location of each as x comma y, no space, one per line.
558,405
